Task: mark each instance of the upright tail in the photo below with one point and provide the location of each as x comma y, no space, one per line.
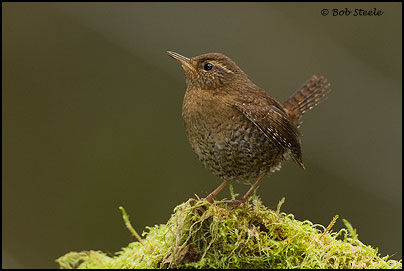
310,94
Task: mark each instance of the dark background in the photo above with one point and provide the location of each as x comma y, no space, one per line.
92,117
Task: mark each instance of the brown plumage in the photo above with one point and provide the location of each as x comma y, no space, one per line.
310,94
236,129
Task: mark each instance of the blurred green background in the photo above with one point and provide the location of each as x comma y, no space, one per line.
92,117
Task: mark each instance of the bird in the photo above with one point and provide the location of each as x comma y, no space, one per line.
237,130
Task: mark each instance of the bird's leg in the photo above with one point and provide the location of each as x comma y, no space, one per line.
252,188
216,191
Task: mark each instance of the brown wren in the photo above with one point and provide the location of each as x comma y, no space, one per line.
236,129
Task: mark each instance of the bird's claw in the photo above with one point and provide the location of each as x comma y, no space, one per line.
235,203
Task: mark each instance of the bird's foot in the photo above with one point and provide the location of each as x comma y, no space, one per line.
236,202
209,198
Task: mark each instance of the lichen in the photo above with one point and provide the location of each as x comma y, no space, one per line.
200,234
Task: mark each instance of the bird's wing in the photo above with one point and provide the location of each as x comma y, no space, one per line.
276,126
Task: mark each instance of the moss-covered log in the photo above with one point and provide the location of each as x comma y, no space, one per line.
204,235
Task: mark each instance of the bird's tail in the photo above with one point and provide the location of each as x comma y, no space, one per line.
310,94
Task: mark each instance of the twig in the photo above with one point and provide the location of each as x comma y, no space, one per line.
129,226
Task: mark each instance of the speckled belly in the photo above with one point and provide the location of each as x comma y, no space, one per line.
233,148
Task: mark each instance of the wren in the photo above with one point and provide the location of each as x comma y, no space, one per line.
236,129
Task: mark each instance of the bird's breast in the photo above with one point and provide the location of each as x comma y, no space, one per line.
207,117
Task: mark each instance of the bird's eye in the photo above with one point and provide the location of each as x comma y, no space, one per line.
207,67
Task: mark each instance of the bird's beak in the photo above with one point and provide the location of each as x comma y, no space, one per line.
185,61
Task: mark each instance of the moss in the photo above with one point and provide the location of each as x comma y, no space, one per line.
204,235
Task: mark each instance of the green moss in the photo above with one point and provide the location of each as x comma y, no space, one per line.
204,235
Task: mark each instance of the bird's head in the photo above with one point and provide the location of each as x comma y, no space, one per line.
209,71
